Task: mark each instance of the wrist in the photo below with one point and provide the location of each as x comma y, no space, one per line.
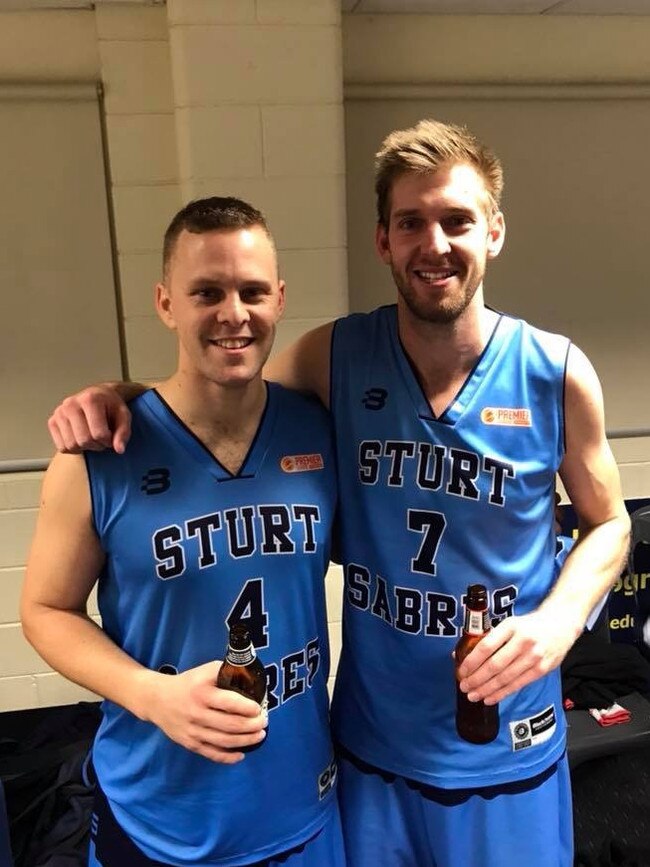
144,689
565,619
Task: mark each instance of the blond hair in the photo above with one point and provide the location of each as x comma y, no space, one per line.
424,149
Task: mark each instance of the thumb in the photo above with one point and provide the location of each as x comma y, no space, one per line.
122,428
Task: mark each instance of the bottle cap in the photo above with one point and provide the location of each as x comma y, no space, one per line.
240,637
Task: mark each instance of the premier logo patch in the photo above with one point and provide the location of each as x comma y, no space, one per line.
301,463
506,416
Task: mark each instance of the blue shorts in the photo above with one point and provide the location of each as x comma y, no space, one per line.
111,847
389,821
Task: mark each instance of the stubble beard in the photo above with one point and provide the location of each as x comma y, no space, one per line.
436,313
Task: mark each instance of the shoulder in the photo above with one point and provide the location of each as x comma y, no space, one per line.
296,406
358,335
534,334
546,351
359,322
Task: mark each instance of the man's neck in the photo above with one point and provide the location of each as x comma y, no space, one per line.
224,419
444,354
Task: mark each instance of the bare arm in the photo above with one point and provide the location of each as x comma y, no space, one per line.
64,562
521,649
305,365
590,476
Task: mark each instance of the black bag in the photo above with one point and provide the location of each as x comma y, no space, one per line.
44,768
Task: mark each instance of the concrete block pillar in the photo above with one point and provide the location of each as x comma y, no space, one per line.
258,102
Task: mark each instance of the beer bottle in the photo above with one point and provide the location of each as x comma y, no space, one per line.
242,671
476,722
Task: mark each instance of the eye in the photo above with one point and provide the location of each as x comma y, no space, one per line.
206,293
409,224
253,294
458,222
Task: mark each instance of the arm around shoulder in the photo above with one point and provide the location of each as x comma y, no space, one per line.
305,365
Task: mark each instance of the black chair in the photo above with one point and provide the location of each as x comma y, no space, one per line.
586,739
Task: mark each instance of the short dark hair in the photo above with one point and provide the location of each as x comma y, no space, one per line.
217,213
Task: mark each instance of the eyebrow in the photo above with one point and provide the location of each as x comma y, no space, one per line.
218,282
448,209
406,212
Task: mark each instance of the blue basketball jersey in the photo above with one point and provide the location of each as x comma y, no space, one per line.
191,549
428,506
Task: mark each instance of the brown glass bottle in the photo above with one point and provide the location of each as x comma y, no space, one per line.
476,722
241,670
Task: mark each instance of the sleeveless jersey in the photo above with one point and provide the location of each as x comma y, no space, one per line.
191,549
428,506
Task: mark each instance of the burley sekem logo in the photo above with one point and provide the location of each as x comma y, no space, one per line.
506,416
301,463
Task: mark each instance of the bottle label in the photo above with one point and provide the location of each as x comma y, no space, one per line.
240,657
476,622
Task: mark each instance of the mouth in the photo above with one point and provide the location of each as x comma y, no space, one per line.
434,275
232,343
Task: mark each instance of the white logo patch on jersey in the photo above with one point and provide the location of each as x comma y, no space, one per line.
506,416
534,730
327,779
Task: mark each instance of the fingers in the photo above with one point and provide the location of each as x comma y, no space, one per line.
497,693
502,675
91,420
122,428
227,755
485,649
61,434
517,652
221,737
212,722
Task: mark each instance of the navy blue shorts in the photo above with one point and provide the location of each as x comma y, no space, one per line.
111,847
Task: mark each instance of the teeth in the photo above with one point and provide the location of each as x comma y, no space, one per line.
233,342
434,275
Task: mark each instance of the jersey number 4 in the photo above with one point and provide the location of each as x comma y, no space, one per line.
250,611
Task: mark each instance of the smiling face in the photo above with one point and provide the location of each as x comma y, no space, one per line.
439,237
223,297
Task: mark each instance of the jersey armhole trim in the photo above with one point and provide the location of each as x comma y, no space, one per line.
563,404
331,388
93,504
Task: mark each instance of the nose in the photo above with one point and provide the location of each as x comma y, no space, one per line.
232,310
435,240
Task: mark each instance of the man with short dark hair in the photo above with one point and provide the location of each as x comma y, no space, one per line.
219,512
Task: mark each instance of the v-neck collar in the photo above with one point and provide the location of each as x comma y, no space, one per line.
468,389
175,426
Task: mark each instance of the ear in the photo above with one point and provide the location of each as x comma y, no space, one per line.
496,235
281,298
164,306
381,244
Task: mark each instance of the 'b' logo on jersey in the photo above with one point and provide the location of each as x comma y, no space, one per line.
375,398
156,481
